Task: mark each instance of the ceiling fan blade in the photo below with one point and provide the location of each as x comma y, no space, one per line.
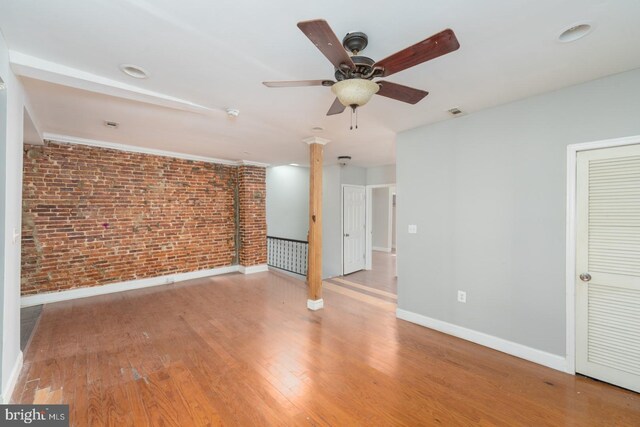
401,93
321,35
299,83
437,45
336,108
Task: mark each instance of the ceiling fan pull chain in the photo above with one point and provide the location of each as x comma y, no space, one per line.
356,118
351,127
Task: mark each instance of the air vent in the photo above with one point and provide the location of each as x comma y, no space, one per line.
455,111
112,125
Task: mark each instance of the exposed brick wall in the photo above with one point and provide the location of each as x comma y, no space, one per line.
93,216
253,223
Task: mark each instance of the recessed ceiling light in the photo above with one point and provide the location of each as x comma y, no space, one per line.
317,129
233,112
575,32
134,71
293,164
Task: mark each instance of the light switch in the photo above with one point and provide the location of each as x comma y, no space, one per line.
413,229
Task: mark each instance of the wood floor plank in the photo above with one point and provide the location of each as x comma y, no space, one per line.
244,350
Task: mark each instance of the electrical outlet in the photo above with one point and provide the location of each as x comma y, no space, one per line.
413,229
462,296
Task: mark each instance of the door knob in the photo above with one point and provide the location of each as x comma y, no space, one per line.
346,235
585,277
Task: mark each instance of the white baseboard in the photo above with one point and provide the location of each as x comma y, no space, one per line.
13,379
49,297
253,268
381,249
315,304
522,351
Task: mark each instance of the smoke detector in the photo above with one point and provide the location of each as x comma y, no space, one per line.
344,160
233,112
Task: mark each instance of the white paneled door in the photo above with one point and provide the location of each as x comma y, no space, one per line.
608,265
354,227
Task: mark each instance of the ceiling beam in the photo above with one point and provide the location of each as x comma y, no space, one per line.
40,69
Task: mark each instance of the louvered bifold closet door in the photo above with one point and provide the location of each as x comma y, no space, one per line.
608,257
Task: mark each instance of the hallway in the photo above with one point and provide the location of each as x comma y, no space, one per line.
375,285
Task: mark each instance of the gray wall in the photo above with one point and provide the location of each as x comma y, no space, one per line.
380,221
487,192
393,222
288,202
331,225
333,179
381,175
288,206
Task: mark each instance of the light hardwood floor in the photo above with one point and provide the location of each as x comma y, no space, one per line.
244,350
382,276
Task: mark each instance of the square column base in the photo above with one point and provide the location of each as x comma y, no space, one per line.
315,304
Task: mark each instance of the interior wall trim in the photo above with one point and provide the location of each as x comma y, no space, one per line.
253,268
49,297
522,351
13,379
571,236
66,139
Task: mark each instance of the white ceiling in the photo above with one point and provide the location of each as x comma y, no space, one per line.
215,54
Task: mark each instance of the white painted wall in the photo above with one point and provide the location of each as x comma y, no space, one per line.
288,202
487,192
380,218
11,194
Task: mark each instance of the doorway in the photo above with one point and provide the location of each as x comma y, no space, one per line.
606,269
353,228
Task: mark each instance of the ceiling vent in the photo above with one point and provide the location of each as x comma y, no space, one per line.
455,111
112,125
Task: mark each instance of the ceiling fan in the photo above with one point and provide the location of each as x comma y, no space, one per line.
354,74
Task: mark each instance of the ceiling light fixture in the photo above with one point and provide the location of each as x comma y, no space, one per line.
134,71
354,93
317,129
344,160
233,112
293,164
575,32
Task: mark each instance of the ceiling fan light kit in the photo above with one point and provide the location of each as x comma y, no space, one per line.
355,92
355,73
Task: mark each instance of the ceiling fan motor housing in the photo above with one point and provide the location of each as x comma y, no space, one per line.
364,69
355,42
